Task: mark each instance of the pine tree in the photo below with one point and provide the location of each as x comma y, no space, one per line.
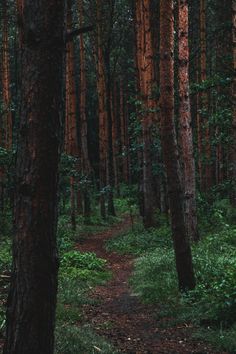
169,148
32,298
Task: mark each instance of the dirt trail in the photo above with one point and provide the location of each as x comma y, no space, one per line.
122,318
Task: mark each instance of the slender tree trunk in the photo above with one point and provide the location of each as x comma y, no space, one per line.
86,166
186,136
233,147
32,298
204,98
6,92
71,137
72,203
145,66
102,112
169,147
115,139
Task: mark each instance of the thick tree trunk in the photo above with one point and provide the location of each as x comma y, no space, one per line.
169,147
32,297
186,136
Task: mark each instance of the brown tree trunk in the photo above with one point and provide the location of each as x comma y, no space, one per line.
102,112
6,92
233,147
115,139
71,138
32,298
86,166
169,148
145,66
186,136
204,98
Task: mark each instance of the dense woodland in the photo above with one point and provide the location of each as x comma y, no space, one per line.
117,166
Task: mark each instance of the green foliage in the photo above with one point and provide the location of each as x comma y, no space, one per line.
76,340
79,272
139,240
154,278
213,302
80,260
215,264
5,257
84,266
223,339
65,235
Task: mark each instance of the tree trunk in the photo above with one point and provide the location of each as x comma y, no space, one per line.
71,136
169,147
115,139
102,112
186,136
6,92
204,98
86,166
233,147
145,66
32,298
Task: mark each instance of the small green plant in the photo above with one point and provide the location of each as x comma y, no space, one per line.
80,260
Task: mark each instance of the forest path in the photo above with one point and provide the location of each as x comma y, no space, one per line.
118,314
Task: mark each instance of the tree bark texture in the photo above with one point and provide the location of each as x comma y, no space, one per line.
102,111
5,71
185,130
145,66
32,298
169,148
233,147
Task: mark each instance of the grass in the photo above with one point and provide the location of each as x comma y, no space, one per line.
71,339
211,307
79,273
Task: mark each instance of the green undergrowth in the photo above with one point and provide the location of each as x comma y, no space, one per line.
79,273
75,340
138,241
211,307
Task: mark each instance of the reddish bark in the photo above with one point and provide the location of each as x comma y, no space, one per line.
32,298
145,66
102,111
233,147
6,92
86,165
71,134
207,177
169,148
186,136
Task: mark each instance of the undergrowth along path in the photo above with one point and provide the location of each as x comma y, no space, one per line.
118,314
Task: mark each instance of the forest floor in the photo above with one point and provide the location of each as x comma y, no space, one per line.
119,315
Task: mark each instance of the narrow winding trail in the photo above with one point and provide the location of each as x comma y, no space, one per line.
119,315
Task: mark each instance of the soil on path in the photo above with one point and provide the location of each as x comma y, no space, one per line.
118,314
